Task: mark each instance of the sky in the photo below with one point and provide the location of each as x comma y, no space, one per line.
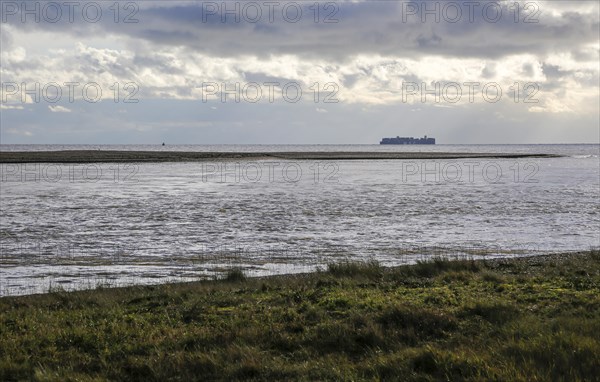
304,72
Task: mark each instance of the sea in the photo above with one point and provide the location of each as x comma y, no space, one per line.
80,226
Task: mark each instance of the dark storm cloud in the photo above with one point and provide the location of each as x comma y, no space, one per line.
383,27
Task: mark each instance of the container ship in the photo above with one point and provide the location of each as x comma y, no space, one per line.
408,141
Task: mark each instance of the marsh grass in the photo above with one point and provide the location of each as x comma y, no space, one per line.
511,320
234,275
437,265
369,269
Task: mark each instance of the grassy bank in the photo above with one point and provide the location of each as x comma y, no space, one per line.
514,320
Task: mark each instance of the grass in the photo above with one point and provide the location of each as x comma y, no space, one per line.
235,275
511,320
369,269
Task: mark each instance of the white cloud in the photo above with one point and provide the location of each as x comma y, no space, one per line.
59,109
10,107
172,73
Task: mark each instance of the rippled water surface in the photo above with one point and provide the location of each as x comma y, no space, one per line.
77,226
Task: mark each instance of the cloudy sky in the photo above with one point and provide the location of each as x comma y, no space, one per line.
299,72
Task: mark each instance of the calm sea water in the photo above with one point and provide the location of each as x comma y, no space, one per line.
77,226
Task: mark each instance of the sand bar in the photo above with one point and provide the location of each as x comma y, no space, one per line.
102,156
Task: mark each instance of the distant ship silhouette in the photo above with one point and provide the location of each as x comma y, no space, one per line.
408,141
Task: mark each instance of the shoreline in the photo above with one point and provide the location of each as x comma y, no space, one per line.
115,156
492,263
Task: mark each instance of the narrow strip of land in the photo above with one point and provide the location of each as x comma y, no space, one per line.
98,156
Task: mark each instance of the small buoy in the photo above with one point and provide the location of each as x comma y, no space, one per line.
163,143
